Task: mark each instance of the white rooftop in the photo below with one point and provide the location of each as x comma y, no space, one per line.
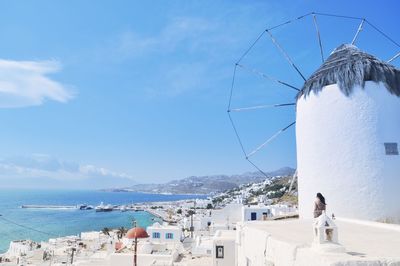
228,234
363,240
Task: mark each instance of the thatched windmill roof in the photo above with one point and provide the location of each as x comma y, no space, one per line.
348,66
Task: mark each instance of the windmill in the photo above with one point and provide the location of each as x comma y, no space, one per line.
344,107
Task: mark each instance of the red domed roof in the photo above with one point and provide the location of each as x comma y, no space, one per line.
136,232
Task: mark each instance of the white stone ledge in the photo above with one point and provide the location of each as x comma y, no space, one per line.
394,227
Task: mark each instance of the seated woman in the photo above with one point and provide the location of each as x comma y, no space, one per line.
319,205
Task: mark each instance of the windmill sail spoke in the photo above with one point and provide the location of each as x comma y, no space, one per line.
237,134
252,70
394,57
363,20
283,52
382,33
336,16
261,107
269,140
360,28
319,37
251,46
232,86
259,169
289,21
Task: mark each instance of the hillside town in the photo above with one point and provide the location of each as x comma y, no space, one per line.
186,236
255,224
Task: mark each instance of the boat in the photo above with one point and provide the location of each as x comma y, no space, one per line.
85,207
104,208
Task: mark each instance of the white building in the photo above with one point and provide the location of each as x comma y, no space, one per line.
261,212
213,220
21,248
199,222
202,245
147,254
93,235
161,247
202,203
224,251
282,210
264,199
255,212
227,216
164,233
348,132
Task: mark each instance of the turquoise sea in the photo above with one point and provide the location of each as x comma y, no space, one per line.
64,222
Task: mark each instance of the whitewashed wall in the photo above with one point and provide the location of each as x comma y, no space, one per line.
340,152
19,247
126,259
251,245
231,212
227,241
176,231
247,211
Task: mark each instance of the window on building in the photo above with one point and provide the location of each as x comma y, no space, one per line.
169,236
253,216
219,252
391,148
156,235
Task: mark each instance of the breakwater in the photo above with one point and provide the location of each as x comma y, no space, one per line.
48,207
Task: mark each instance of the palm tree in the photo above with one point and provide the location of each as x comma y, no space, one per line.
121,232
106,231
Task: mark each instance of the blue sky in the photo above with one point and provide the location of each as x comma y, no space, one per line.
104,93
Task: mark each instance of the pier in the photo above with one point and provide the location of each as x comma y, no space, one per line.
48,207
160,214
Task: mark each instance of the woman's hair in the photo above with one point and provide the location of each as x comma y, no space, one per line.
321,198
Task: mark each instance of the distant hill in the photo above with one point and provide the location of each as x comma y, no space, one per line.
206,184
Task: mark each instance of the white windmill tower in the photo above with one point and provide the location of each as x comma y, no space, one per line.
347,130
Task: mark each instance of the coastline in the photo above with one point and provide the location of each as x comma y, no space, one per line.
63,222
146,208
154,193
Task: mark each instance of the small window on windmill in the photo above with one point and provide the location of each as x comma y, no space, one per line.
391,148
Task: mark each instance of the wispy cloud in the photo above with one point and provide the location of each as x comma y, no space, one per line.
91,170
179,79
185,55
25,171
184,30
26,83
